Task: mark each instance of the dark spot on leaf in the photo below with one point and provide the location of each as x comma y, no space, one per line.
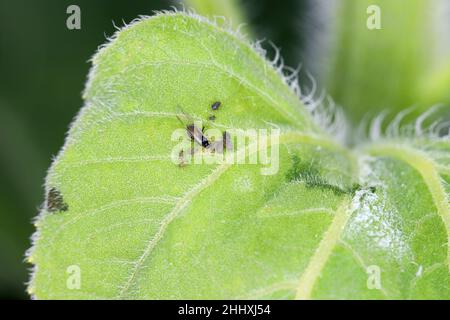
212,117
55,201
216,105
181,159
227,141
308,172
302,171
358,187
355,187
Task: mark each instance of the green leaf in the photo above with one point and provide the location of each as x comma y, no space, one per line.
232,10
373,70
434,89
138,226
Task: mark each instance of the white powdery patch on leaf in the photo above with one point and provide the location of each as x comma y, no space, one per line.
380,224
372,218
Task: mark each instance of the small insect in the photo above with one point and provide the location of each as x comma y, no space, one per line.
182,160
55,201
212,117
221,145
195,133
216,105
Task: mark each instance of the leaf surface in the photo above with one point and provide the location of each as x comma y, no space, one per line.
139,226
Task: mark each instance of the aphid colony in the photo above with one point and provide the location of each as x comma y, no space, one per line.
197,135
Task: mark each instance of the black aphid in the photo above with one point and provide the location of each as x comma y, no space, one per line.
55,201
216,105
195,133
227,143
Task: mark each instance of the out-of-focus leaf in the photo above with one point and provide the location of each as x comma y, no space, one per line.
435,89
231,10
373,70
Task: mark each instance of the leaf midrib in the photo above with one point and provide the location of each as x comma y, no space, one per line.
321,255
428,170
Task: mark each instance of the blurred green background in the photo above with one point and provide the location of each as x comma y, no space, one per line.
44,65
